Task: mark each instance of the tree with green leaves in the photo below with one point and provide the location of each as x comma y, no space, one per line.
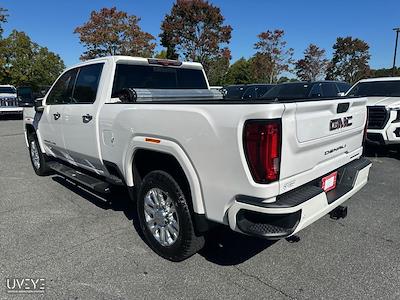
162,54
385,72
350,60
285,79
313,66
113,32
239,72
3,19
273,56
195,31
218,68
27,63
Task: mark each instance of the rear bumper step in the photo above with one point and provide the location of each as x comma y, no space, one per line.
271,226
80,178
296,209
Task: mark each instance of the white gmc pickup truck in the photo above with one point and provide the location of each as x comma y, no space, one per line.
383,106
191,159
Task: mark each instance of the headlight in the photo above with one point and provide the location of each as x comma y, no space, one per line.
396,110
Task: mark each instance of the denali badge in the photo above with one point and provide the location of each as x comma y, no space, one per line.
340,123
335,149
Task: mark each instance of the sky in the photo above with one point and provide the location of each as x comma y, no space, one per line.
51,23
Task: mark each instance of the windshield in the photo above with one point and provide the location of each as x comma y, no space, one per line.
343,86
234,92
260,91
376,88
25,93
7,90
288,91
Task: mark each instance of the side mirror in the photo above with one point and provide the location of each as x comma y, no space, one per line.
341,94
127,95
38,105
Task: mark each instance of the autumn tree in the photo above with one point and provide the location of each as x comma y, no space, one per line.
27,63
350,60
260,68
273,56
113,32
194,30
313,66
239,72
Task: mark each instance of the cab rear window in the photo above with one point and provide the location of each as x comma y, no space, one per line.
157,77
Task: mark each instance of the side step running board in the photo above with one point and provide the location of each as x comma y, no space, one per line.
80,178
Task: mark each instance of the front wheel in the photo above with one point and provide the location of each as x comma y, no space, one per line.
165,218
38,159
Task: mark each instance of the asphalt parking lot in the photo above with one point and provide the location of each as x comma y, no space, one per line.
87,248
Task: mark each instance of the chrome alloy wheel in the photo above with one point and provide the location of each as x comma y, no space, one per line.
35,155
161,216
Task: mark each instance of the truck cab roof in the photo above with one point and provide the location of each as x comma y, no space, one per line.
141,61
380,79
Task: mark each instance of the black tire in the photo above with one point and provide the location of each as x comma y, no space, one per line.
42,169
187,242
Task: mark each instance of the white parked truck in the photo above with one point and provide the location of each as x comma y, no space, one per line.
383,105
191,159
9,101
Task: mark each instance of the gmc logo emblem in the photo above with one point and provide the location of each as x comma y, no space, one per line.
340,123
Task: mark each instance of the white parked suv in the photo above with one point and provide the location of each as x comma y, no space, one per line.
9,100
191,159
383,105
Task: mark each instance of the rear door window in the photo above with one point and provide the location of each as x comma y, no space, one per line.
87,83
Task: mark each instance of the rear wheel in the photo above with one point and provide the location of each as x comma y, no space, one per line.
38,159
165,218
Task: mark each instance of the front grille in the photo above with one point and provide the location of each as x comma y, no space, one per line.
8,102
377,117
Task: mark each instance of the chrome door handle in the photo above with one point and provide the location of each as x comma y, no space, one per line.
87,118
56,116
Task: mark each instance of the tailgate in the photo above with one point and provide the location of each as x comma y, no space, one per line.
319,136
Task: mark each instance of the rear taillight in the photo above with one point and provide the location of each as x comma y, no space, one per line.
262,143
